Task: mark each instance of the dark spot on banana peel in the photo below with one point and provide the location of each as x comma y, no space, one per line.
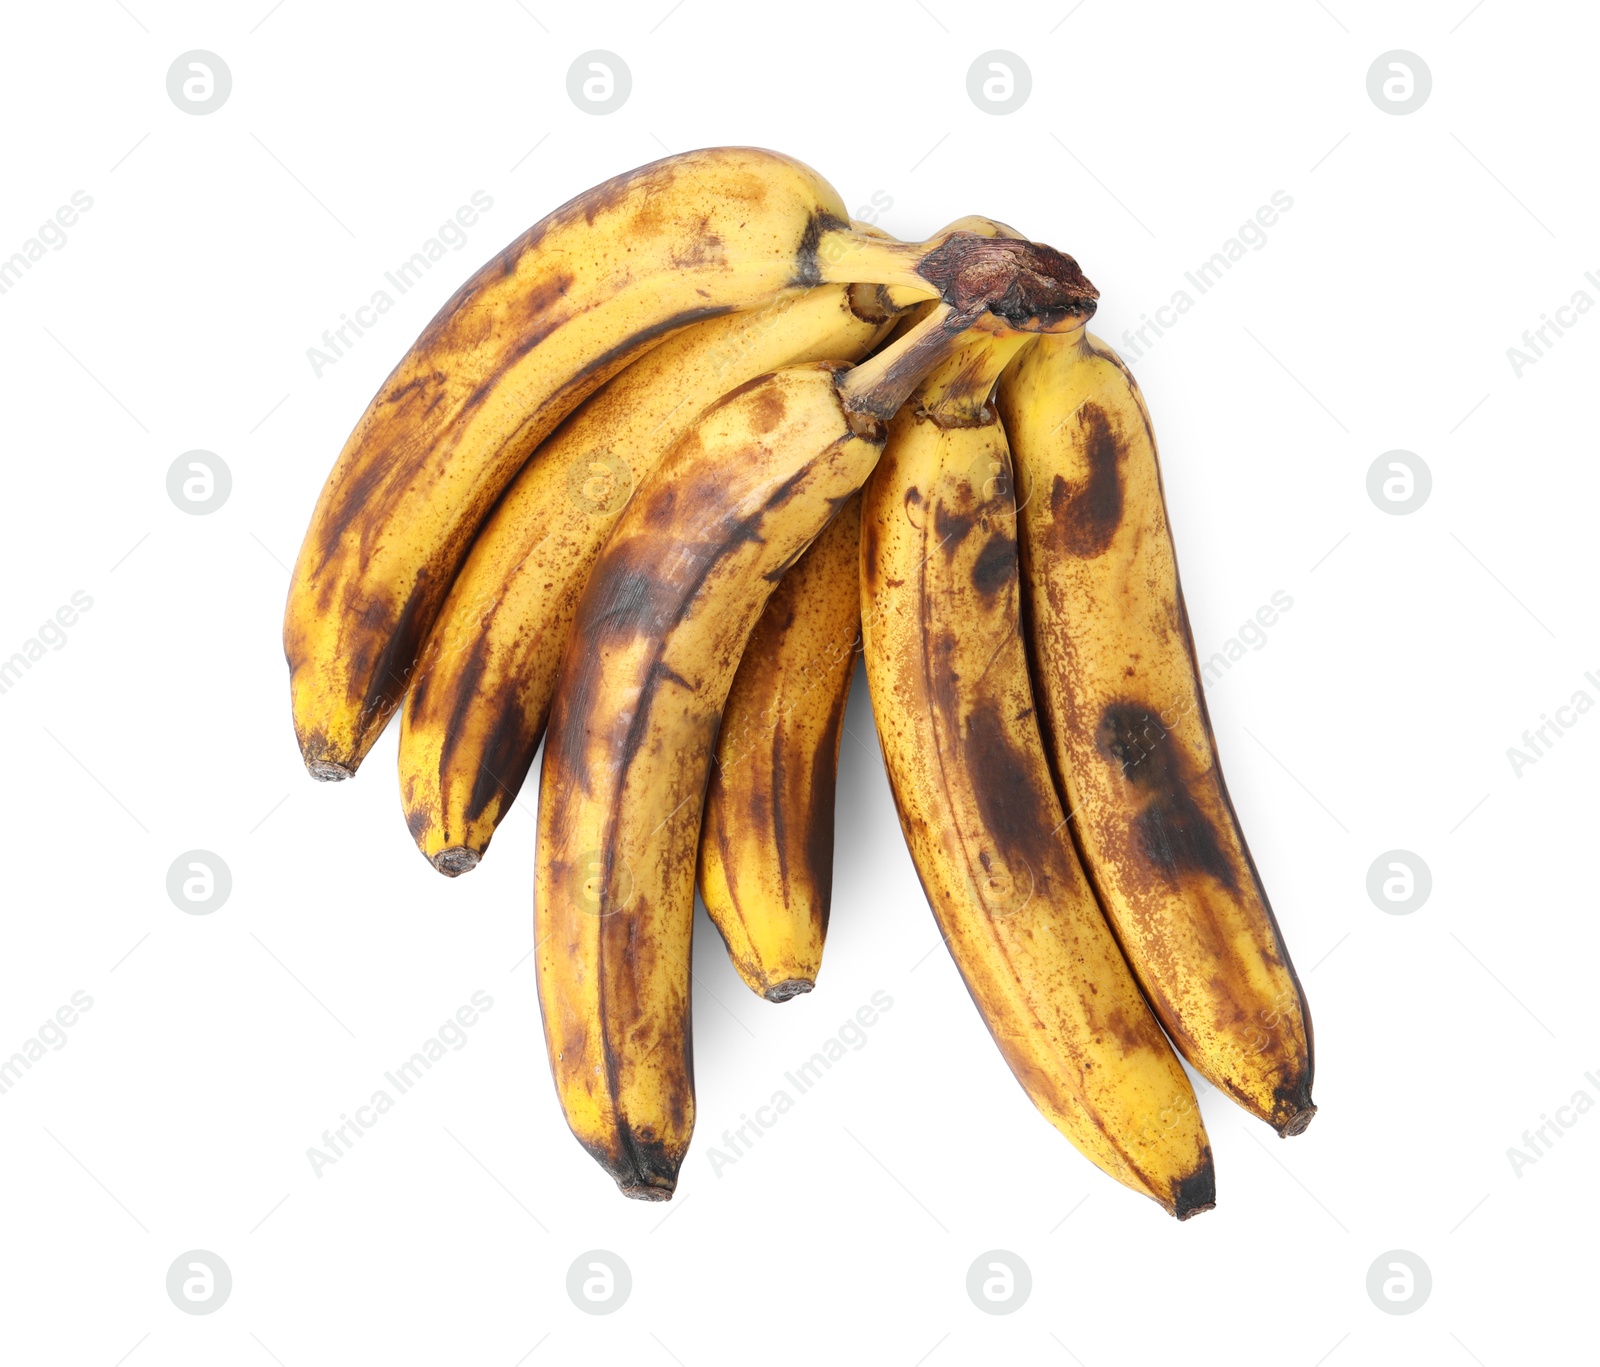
951,527
508,752
1084,517
591,376
1196,1193
1171,833
808,269
388,670
768,409
869,555
1025,283
820,817
1015,811
661,670
996,565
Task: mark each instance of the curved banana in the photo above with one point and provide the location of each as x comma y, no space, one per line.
1130,739
477,707
659,632
948,670
766,845
766,848
538,328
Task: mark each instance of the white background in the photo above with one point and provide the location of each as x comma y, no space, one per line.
1377,715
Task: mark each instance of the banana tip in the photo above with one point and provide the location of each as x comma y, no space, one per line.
456,860
1197,1193
1297,1123
788,989
327,771
645,1191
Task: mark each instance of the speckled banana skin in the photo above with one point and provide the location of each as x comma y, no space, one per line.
948,671
1128,734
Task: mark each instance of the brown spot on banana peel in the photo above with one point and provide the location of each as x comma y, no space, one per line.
769,410
808,272
820,819
1086,516
995,568
1173,834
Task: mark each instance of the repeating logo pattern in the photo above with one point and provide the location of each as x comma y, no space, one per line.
999,1282
199,1282
1399,882
599,1282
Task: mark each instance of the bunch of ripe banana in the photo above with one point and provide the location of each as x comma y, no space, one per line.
642,489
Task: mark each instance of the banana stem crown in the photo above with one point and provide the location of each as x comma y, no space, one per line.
1032,286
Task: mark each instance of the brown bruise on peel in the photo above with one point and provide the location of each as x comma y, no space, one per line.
1085,516
1170,833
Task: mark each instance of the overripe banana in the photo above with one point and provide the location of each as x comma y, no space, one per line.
766,850
618,481
657,637
538,328
658,634
766,846
477,708
948,671
1130,739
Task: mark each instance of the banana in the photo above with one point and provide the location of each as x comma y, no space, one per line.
948,672
766,849
657,637
1130,739
477,707
658,634
532,333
